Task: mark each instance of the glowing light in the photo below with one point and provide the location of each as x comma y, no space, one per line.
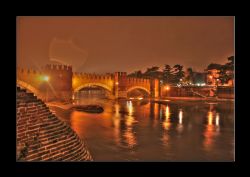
210,118
140,98
180,116
211,77
167,88
130,107
117,83
217,119
166,124
167,113
45,78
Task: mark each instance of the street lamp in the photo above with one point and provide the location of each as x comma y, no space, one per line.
45,78
167,88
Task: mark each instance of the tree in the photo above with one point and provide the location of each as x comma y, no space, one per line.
136,74
227,71
178,73
224,77
231,60
167,74
153,72
214,66
189,75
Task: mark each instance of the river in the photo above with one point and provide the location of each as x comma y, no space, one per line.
147,131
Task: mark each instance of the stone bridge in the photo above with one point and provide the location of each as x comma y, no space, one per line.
60,83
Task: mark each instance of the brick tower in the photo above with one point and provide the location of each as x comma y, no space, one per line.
59,82
120,88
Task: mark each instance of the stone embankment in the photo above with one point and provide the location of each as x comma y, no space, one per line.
41,136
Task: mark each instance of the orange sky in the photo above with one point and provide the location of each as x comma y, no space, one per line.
108,44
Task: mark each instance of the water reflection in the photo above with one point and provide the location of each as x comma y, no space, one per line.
180,123
180,116
211,129
129,133
217,119
116,123
155,131
125,135
117,109
155,111
166,124
130,108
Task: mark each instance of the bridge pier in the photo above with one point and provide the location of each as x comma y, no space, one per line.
154,88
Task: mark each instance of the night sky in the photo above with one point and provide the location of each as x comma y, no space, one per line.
109,44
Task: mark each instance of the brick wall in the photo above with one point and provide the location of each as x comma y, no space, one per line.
41,136
184,91
225,92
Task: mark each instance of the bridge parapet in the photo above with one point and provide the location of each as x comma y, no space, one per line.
60,80
23,71
30,76
138,82
81,80
55,81
58,67
92,75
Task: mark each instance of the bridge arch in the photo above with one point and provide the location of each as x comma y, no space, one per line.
29,88
93,84
138,87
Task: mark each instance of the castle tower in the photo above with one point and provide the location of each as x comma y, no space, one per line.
120,88
59,82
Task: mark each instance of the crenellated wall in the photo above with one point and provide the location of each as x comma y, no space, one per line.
51,82
59,82
81,80
133,83
125,84
41,136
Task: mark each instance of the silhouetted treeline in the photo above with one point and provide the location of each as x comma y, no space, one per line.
175,74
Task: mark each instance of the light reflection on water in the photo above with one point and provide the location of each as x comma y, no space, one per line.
140,130
212,128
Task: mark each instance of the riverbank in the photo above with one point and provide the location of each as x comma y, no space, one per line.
166,99
68,106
